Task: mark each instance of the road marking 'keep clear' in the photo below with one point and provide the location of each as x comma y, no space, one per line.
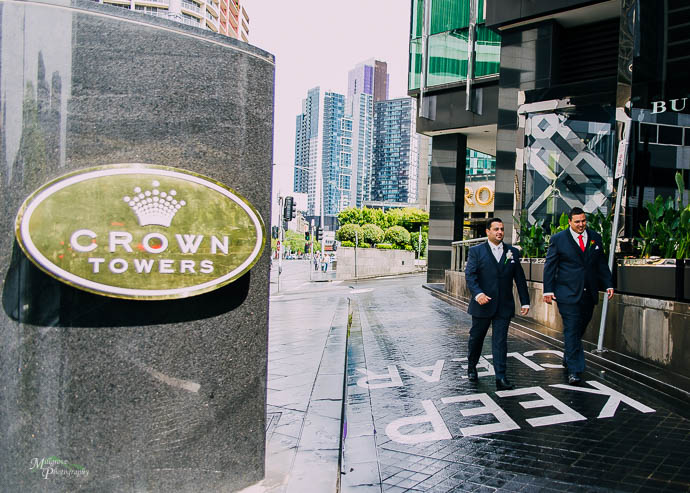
439,430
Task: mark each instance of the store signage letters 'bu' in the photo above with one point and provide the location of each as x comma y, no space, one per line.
673,104
140,231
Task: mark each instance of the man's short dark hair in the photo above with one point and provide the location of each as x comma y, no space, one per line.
492,220
575,211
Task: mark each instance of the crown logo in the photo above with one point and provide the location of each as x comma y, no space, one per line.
154,206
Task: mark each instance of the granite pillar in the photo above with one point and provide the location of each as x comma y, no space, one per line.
446,210
105,394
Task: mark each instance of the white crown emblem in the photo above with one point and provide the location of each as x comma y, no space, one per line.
154,206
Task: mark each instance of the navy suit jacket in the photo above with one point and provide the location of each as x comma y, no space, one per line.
495,279
569,270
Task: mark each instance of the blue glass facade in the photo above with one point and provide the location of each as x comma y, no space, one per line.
306,147
336,155
396,158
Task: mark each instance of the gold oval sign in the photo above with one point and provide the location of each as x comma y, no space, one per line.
140,231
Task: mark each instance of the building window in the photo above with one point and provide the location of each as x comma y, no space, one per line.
447,50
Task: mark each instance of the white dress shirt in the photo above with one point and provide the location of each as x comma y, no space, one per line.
497,250
575,235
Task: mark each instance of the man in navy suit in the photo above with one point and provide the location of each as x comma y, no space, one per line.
490,271
575,270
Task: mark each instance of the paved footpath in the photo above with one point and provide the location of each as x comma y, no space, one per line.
415,423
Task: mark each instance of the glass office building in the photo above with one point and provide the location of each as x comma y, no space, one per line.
447,57
307,150
323,165
396,153
336,163
552,113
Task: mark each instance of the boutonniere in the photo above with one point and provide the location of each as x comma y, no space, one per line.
509,256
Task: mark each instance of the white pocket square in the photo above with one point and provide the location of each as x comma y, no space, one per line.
596,247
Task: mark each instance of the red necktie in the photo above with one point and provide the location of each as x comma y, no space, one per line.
582,243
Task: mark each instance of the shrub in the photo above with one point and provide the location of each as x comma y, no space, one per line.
347,233
372,233
385,246
398,236
364,244
346,244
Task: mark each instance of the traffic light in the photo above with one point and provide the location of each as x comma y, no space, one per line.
306,236
319,233
289,209
274,232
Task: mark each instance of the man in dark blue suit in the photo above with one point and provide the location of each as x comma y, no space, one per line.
490,271
575,270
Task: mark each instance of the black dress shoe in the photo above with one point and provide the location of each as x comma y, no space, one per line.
472,374
504,384
574,379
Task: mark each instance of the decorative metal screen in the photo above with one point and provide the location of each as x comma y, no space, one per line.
569,163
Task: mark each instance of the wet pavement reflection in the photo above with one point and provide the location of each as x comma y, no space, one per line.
433,430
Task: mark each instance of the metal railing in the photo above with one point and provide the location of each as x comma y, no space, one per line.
191,6
459,252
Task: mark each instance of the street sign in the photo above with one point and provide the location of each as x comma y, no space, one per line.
620,160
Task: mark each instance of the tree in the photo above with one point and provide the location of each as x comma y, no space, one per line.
350,232
351,215
372,234
413,218
294,241
398,236
373,216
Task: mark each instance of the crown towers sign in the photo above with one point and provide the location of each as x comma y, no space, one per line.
140,231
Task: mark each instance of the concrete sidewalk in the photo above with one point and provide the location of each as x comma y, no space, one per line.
306,364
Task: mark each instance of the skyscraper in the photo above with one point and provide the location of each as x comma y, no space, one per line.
369,77
396,152
307,149
323,153
336,161
367,84
362,146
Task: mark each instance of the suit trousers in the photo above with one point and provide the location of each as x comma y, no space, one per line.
575,318
499,342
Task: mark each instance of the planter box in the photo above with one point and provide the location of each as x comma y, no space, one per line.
643,278
686,282
537,269
533,268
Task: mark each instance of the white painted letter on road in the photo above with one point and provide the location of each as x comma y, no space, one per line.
567,414
546,351
440,432
489,407
392,376
419,371
483,363
615,398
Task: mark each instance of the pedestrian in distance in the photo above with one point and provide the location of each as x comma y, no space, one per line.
491,269
575,270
